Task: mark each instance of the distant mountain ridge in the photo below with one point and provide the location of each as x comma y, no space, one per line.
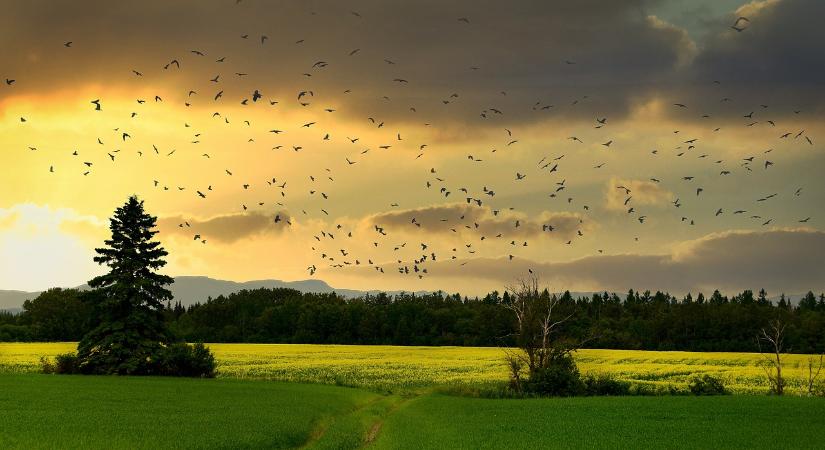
192,289
13,300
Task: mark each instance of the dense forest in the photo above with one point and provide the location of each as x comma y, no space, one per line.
636,321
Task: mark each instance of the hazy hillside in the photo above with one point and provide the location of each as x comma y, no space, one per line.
13,300
191,289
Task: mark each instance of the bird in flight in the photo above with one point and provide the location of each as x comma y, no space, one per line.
741,24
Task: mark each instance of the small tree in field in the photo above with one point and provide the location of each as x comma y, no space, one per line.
774,337
540,347
131,336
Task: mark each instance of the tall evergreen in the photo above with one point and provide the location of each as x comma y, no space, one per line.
131,332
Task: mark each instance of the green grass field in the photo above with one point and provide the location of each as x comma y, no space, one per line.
43,411
439,421
52,411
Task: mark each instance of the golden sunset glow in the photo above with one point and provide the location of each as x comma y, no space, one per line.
452,138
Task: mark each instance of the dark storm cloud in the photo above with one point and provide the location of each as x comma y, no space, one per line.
225,228
782,44
622,55
458,218
780,261
519,48
776,61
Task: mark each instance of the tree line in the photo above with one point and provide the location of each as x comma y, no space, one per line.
639,321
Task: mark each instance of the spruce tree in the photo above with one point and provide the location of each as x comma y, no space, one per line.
131,333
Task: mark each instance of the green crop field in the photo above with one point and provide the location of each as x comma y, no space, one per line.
90,412
438,421
43,411
394,368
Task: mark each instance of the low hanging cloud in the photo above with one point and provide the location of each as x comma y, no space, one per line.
780,260
228,228
458,218
640,192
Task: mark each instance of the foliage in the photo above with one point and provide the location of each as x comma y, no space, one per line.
536,332
638,321
605,384
46,365
58,314
178,359
184,360
130,333
707,385
64,363
559,377
541,347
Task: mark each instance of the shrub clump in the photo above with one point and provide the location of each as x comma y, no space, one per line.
707,385
558,378
184,360
605,385
64,363
178,360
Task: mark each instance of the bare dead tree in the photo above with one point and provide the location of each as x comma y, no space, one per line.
537,324
814,370
773,336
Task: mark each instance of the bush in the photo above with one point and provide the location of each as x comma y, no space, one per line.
177,360
46,365
560,378
707,385
65,363
184,360
605,385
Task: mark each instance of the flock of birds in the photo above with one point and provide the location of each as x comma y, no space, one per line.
330,245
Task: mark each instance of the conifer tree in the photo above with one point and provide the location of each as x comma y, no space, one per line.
131,332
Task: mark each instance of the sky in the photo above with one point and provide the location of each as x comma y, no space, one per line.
420,145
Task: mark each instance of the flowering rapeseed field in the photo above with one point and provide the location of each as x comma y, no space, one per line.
391,367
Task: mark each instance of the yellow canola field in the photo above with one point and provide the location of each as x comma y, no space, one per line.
395,367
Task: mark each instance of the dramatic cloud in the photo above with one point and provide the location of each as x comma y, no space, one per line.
777,60
787,260
621,194
227,228
607,55
404,103
482,220
551,52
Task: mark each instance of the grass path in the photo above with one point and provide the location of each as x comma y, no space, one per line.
357,428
